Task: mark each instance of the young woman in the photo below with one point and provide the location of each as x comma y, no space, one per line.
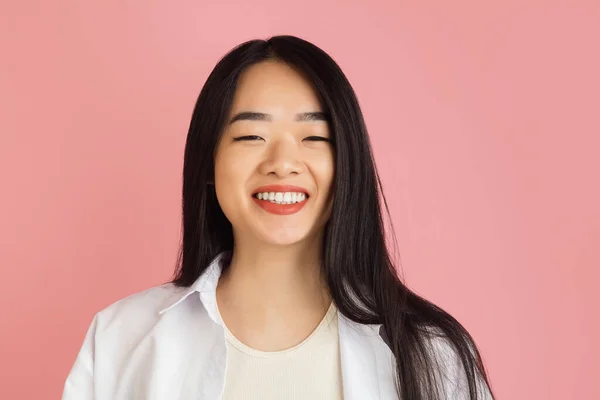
284,288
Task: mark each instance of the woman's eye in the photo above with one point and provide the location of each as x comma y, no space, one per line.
318,138
248,137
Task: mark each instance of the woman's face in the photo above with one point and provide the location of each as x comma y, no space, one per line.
278,144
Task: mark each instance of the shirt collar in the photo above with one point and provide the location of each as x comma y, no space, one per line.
206,287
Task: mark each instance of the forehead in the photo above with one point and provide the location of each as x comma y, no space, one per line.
273,86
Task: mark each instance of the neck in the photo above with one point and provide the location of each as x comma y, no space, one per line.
267,285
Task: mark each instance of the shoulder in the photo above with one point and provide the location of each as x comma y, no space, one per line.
148,301
121,336
137,311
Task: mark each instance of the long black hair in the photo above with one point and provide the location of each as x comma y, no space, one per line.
357,264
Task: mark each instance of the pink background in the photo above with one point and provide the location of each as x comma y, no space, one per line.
484,121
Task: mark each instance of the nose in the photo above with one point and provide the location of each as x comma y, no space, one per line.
283,158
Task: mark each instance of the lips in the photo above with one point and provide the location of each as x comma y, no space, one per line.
280,209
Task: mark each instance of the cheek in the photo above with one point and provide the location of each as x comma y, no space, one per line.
226,166
232,171
324,171
225,182
235,160
230,205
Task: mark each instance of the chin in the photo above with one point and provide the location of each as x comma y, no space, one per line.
283,237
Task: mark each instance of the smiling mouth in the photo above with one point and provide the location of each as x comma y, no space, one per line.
282,198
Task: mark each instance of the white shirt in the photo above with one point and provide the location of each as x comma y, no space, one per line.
168,343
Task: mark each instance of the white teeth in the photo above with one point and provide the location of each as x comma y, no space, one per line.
282,198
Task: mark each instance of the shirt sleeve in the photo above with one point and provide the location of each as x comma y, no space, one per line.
79,384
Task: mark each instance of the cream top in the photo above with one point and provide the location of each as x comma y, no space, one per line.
309,370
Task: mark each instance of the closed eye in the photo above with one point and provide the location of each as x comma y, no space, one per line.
318,138
310,138
248,137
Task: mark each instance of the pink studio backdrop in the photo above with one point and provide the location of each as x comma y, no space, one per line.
484,121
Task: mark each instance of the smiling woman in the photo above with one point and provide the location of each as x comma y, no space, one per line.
277,134
284,288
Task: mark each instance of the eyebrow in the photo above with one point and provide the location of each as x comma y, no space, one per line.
257,116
